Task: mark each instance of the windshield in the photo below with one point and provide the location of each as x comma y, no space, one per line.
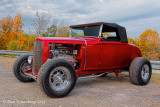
85,31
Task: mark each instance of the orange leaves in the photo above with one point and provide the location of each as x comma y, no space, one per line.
31,41
131,41
17,24
149,44
18,32
12,36
10,29
5,30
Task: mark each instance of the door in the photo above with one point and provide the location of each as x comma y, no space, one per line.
110,49
109,54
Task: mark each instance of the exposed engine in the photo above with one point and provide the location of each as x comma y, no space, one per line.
64,51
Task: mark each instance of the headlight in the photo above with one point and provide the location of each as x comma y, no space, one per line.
30,59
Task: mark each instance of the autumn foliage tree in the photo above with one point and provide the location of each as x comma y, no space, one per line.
10,30
18,32
6,25
149,44
12,36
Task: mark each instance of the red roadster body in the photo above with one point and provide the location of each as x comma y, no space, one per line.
91,50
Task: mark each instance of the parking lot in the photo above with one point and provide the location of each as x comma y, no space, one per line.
91,92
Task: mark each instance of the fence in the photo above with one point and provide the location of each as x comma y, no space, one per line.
9,52
155,64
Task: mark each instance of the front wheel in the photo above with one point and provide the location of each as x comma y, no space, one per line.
57,78
140,71
21,67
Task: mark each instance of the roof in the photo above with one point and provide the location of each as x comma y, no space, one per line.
121,30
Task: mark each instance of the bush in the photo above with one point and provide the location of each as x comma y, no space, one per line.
12,45
23,48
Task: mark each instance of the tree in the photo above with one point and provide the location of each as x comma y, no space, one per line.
64,31
131,41
18,32
53,30
41,23
2,43
10,29
31,42
6,25
149,44
12,36
12,45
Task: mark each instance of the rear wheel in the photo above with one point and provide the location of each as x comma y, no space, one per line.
21,68
57,78
140,71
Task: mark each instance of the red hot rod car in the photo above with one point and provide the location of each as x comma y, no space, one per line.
93,49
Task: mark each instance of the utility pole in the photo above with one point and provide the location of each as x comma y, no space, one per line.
28,38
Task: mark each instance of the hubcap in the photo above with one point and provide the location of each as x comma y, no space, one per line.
25,68
60,78
145,72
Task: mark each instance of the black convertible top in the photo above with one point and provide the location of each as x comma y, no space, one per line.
121,30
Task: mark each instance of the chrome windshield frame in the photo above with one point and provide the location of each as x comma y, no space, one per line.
70,32
100,31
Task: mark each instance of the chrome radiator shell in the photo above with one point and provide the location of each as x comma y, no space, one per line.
37,56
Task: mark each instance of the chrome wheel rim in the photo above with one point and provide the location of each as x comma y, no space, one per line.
60,78
145,72
25,66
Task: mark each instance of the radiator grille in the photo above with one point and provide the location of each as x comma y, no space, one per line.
37,56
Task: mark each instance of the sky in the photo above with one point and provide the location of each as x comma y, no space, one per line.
136,15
